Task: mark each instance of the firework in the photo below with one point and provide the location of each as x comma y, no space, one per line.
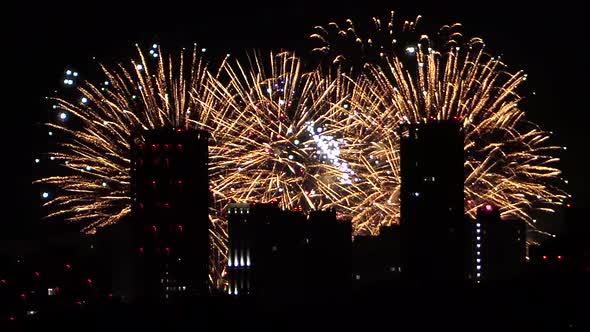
404,75
273,139
269,121
153,92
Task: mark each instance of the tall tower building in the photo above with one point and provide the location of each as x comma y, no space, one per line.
266,257
498,247
328,255
432,217
241,243
282,258
169,221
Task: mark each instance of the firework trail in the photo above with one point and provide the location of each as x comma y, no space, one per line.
273,139
142,95
403,75
269,121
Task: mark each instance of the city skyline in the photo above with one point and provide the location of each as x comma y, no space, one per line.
183,33
473,268
512,188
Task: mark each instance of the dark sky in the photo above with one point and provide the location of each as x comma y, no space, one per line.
45,38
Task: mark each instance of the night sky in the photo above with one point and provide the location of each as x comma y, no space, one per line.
46,38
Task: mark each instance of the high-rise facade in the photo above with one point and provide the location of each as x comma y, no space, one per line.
498,247
282,257
169,215
328,255
432,201
376,259
266,252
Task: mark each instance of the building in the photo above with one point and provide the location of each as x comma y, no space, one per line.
328,254
566,255
376,260
432,220
169,223
240,244
282,257
266,252
498,250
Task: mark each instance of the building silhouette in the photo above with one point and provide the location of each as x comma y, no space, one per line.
432,218
498,247
266,257
168,230
567,254
328,254
241,241
281,257
376,259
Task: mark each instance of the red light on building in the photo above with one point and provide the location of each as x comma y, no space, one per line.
167,205
488,207
544,258
68,266
167,251
155,147
179,130
12,318
154,184
23,296
154,228
568,205
167,161
36,274
141,250
180,228
3,281
560,257
89,281
179,147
